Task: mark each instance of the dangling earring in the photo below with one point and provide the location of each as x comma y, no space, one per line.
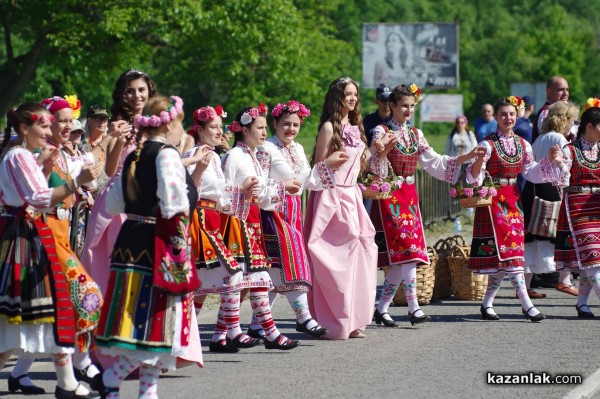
24,143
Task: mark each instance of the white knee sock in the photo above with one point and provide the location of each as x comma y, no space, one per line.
392,281
565,277
65,378
149,376
82,360
494,282
21,368
585,288
114,376
518,282
409,283
299,302
259,301
594,279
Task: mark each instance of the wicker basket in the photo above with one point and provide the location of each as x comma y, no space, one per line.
476,201
443,281
425,282
375,195
466,285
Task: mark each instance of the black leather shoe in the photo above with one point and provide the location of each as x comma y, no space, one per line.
94,382
488,316
316,332
380,319
417,320
14,385
221,347
583,314
238,343
282,343
538,317
256,333
60,393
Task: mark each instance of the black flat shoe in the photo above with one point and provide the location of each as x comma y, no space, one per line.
488,316
60,393
105,391
221,347
282,343
417,320
380,319
238,343
537,318
315,332
583,314
94,382
14,385
256,333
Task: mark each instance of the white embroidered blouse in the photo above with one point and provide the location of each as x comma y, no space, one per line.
22,181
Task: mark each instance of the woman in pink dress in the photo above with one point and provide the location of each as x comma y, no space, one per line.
340,237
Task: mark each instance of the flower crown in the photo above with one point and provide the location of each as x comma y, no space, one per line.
591,102
205,114
293,107
247,117
75,105
414,89
516,101
41,118
166,116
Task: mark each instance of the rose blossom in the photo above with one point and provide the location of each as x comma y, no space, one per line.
483,191
453,192
492,191
253,112
374,187
385,188
469,192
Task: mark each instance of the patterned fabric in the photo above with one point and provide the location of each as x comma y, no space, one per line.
257,251
285,245
209,245
85,294
32,284
498,233
399,229
577,242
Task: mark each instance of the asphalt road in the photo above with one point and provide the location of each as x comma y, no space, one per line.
447,358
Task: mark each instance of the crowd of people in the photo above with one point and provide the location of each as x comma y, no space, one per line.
177,215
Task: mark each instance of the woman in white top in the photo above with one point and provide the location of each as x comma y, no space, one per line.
248,159
219,271
461,140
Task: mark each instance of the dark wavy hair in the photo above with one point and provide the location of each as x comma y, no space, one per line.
120,108
332,112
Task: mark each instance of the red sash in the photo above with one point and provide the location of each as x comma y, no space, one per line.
403,227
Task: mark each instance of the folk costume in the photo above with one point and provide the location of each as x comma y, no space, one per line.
36,312
577,247
149,318
245,237
84,292
498,234
397,220
340,245
284,238
219,271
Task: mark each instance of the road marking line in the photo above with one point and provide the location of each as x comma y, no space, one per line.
590,386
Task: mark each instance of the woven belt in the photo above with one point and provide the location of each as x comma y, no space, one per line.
502,181
60,213
206,204
140,218
407,179
583,189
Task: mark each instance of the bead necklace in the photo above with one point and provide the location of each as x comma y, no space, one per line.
412,148
503,152
583,160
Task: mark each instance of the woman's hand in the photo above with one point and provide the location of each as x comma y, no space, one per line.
292,186
477,152
89,174
249,185
121,130
336,160
385,144
47,159
555,154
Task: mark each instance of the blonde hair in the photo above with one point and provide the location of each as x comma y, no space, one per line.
154,106
558,115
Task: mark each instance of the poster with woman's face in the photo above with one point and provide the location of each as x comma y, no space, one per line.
422,53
